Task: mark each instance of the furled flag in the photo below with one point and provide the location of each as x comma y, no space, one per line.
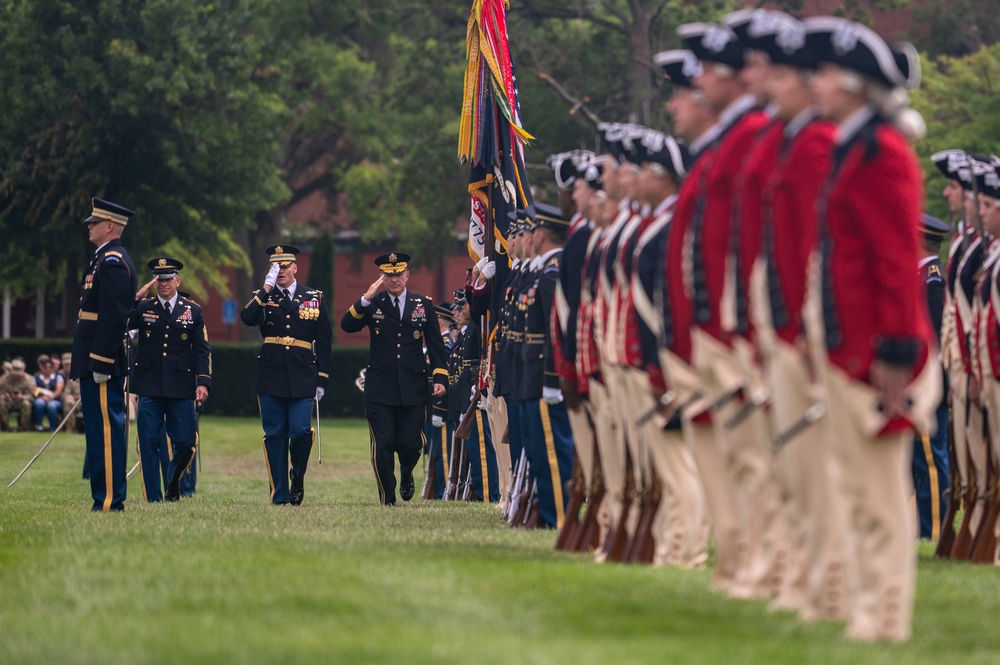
491,138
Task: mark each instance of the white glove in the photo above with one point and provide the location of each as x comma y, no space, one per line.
272,275
437,421
319,393
472,394
552,395
132,334
101,378
484,402
489,270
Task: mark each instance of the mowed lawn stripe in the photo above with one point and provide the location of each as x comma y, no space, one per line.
224,577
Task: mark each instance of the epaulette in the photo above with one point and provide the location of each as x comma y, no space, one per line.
115,257
112,253
148,298
191,301
429,299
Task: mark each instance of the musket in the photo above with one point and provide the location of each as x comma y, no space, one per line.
454,470
589,537
665,400
514,494
947,537
46,444
812,414
571,524
728,396
984,545
319,437
618,536
760,398
963,538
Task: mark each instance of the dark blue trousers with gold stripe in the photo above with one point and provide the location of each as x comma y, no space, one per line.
438,439
288,438
166,430
394,430
548,441
482,460
932,476
104,427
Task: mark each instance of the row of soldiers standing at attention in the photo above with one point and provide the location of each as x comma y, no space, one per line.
970,352
730,327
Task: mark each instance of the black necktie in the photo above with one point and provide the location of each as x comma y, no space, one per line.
166,306
285,291
395,303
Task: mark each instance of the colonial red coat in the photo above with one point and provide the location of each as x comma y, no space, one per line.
750,183
791,198
718,188
873,218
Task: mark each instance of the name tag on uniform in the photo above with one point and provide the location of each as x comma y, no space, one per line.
378,315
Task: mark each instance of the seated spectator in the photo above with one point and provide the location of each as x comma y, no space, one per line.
48,392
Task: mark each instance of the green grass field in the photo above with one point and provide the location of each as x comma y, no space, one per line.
224,577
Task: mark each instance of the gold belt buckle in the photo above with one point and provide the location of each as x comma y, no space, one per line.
286,341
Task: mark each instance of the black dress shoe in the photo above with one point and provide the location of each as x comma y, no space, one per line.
406,486
295,496
173,492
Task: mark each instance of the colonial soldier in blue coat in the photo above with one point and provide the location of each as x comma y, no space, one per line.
99,356
172,370
292,368
544,421
400,323
931,467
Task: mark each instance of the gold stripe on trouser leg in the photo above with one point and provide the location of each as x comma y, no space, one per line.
932,474
482,455
267,460
550,450
378,479
142,476
444,448
108,463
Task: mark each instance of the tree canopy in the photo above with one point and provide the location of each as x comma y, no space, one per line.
212,119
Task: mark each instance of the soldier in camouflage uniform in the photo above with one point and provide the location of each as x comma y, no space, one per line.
70,394
16,389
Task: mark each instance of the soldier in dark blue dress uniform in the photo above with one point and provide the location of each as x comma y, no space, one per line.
291,371
931,468
400,323
544,421
464,365
99,355
172,370
437,429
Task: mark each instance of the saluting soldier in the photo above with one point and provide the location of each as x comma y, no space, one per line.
400,323
866,319
99,355
171,372
291,370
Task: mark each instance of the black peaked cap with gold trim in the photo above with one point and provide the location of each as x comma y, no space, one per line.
550,217
106,211
282,254
165,267
392,263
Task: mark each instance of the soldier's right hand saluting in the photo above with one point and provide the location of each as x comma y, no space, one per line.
374,288
144,291
272,277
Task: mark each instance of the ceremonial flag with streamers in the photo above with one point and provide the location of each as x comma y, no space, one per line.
491,138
